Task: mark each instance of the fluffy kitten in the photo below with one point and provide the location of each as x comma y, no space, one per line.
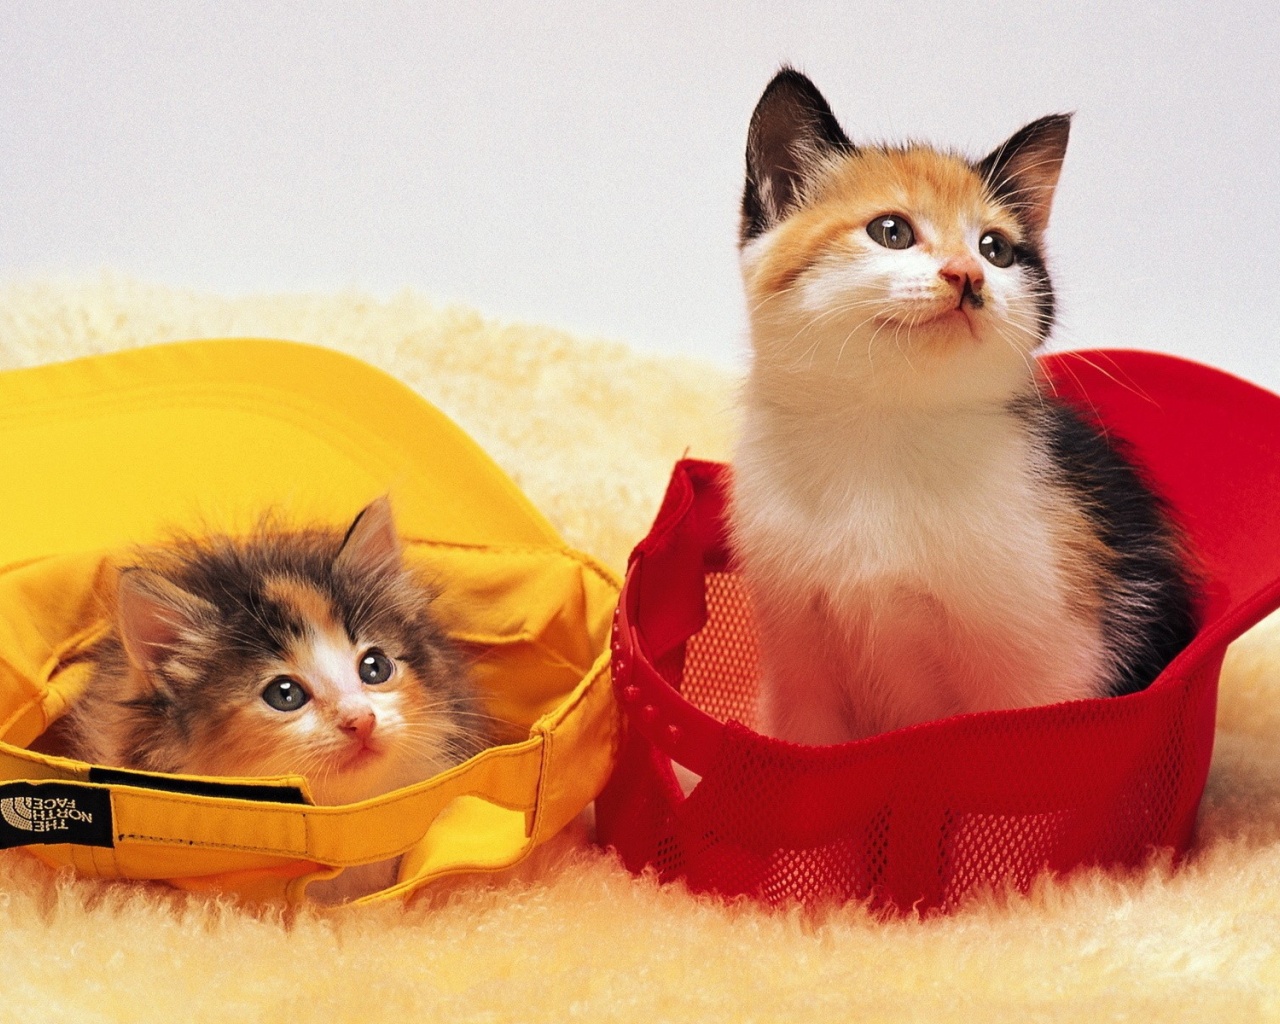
925,530
289,652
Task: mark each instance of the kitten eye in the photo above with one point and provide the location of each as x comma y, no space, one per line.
375,667
285,694
892,231
996,249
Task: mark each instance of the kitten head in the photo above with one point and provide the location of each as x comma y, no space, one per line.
905,274
304,652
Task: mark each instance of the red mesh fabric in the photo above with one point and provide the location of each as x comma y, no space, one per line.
917,817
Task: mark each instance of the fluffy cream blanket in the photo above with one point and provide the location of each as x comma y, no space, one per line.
590,431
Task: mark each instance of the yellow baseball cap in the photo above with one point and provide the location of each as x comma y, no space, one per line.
110,451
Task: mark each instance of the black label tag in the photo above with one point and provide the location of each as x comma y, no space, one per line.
54,812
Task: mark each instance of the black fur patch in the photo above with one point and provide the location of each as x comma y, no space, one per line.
1032,263
791,124
1149,558
999,168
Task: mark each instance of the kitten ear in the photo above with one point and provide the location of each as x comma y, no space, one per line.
1023,170
792,132
156,617
371,541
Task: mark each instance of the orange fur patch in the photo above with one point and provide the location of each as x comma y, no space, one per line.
919,183
304,600
1084,560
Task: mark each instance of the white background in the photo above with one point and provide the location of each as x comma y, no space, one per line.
581,166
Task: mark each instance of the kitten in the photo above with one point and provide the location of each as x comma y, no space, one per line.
289,652
924,529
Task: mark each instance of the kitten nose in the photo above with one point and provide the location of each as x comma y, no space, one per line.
359,724
960,269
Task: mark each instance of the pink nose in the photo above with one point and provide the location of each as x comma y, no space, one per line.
961,269
359,724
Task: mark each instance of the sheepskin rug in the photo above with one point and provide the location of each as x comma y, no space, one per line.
590,431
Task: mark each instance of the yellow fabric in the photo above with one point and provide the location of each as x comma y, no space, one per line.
118,449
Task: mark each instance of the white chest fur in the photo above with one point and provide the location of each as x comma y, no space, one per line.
904,567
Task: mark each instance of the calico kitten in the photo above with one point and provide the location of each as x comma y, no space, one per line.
924,529
290,652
